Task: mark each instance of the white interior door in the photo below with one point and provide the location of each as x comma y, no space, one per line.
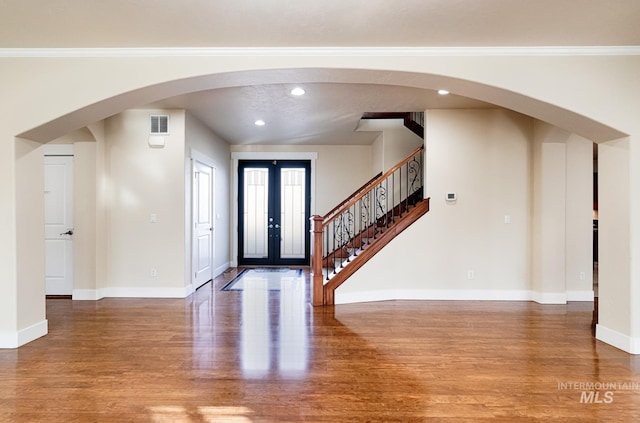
58,224
203,228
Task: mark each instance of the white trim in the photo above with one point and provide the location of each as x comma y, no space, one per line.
264,155
432,294
147,292
220,269
205,160
58,149
202,158
549,297
24,336
461,295
587,295
618,340
318,51
86,294
131,292
273,155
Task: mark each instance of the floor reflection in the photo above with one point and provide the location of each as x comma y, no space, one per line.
290,337
255,334
293,333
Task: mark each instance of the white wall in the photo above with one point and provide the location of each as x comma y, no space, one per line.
484,157
579,247
503,167
398,142
30,167
614,235
85,238
562,235
204,141
145,181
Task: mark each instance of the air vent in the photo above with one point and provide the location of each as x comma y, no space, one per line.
159,124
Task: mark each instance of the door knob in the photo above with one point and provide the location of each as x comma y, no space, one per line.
277,226
69,232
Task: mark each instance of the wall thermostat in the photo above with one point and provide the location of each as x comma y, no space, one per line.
451,196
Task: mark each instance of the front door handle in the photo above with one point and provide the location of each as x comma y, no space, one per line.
69,232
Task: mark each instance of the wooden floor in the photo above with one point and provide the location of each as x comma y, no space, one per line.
250,356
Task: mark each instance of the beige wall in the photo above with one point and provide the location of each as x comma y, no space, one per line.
85,239
204,141
142,181
398,144
483,156
8,253
30,167
562,253
579,230
614,235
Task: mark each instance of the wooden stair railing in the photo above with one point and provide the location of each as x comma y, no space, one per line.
349,235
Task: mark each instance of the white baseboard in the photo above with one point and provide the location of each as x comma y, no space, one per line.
580,295
432,294
618,340
145,292
221,269
461,295
131,292
86,294
549,297
24,336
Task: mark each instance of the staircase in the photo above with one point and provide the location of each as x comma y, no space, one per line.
355,230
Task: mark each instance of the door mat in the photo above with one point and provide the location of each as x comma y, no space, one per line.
272,276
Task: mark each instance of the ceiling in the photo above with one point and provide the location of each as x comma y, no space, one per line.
327,113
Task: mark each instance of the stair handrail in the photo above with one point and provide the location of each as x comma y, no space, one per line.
359,194
380,224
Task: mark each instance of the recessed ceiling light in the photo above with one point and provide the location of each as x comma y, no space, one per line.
297,91
259,122
443,92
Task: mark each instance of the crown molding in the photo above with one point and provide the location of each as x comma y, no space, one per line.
317,51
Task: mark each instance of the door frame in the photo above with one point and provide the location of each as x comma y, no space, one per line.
65,150
236,156
196,156
275,167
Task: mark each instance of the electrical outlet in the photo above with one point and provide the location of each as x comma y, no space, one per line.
471,274
153,272
583,276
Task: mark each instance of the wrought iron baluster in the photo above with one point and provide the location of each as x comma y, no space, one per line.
393,196
400,191
326,250
386,204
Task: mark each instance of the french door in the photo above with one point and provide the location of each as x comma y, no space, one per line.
274,206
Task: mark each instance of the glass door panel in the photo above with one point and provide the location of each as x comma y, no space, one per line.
293,218
255,215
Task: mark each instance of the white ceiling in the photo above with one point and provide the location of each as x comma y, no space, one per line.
328,113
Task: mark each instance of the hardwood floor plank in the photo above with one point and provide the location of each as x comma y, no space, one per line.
211,358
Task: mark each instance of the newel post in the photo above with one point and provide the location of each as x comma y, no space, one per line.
317,296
